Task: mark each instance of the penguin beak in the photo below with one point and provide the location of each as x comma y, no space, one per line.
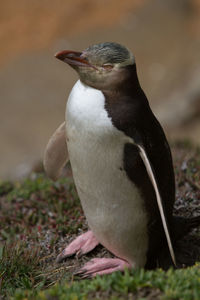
73,58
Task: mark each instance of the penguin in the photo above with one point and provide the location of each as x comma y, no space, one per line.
120,159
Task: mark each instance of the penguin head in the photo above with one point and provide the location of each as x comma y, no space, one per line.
103,66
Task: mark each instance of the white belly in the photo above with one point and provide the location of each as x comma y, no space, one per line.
112,203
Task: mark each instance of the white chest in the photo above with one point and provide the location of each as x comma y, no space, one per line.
112,203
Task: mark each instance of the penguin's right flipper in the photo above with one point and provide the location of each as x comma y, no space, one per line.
56,153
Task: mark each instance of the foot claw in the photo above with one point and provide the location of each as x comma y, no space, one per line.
79,253
80,272
59,258
86,276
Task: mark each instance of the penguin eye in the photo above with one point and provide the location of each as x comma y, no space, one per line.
107,66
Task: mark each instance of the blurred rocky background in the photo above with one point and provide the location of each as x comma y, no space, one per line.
164,35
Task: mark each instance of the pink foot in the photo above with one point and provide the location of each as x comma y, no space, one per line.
102,266
83,244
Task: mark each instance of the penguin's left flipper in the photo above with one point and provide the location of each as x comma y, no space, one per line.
56,153
150,172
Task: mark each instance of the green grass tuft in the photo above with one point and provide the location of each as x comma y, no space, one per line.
18,267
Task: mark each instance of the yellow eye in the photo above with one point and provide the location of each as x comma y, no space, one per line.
107,67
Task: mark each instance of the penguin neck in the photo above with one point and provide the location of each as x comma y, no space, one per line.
130,86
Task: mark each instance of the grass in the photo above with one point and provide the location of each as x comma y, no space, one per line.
18,267
179,284
34,216
36,203
39,217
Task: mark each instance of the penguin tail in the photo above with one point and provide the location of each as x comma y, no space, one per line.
182,226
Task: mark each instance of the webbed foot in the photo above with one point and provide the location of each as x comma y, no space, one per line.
83,244
101,266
